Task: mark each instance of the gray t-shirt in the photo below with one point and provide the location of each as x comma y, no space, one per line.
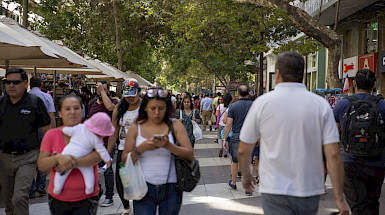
206,104
238,112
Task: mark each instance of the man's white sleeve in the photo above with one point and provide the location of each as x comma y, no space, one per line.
250,128
329,130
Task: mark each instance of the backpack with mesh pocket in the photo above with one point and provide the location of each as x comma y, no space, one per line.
363,128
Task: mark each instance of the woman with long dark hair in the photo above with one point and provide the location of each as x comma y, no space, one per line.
186,114
124,114
150,140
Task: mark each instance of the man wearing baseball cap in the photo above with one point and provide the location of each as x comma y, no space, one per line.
103,103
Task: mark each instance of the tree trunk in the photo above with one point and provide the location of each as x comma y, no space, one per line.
307,24
25,13
332,78
118,36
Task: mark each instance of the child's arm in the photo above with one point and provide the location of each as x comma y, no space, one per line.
69,131
99,147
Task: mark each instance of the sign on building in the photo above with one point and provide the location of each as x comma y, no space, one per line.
350,67
220,89
235,84
368,61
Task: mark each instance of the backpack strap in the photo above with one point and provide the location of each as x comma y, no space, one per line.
372,98
375,99
352,98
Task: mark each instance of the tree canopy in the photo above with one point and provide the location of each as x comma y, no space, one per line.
173,42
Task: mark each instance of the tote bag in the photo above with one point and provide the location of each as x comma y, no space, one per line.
197,131
135,188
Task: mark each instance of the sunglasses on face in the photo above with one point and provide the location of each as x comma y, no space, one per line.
151,93
14,82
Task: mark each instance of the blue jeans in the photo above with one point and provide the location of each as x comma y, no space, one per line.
165,196
289,205
234,145
362,187
39,183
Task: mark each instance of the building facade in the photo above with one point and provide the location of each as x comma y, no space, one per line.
361,26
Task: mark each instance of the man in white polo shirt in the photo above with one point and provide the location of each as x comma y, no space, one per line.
294,126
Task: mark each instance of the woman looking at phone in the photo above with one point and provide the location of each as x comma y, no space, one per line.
150,141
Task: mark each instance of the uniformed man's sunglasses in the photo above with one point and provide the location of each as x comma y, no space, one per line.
14,82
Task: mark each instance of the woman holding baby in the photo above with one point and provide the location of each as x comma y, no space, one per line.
73,198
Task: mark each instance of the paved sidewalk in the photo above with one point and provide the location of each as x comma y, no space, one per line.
212,196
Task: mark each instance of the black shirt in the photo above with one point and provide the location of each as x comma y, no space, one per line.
19,123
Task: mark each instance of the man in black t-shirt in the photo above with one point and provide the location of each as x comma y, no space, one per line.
236,116
21,115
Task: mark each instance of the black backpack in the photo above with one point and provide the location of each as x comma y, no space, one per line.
363,128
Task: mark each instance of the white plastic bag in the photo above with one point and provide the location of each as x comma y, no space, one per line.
197,131
137,186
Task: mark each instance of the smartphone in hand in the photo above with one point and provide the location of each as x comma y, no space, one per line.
159,136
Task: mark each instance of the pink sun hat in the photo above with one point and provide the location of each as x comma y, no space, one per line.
100,124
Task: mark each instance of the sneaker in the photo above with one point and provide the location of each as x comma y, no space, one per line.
232,186
216,141
211,128
225,156
41,192
220,152
107,203
248,193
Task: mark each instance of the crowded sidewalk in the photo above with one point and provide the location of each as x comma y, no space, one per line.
212,196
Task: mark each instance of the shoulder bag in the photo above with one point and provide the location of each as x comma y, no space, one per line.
187,173
197,131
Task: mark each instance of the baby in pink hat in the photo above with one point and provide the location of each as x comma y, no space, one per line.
84,139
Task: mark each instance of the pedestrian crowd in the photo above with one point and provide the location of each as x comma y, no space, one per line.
289,134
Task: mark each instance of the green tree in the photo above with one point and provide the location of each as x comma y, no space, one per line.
311,27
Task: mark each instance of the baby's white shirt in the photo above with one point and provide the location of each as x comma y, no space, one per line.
83,141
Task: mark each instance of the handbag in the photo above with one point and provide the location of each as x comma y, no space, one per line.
219,116
133,180
197,131
187,173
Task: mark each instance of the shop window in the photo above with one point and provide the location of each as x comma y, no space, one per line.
312,60
313,80
371,36
351,43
